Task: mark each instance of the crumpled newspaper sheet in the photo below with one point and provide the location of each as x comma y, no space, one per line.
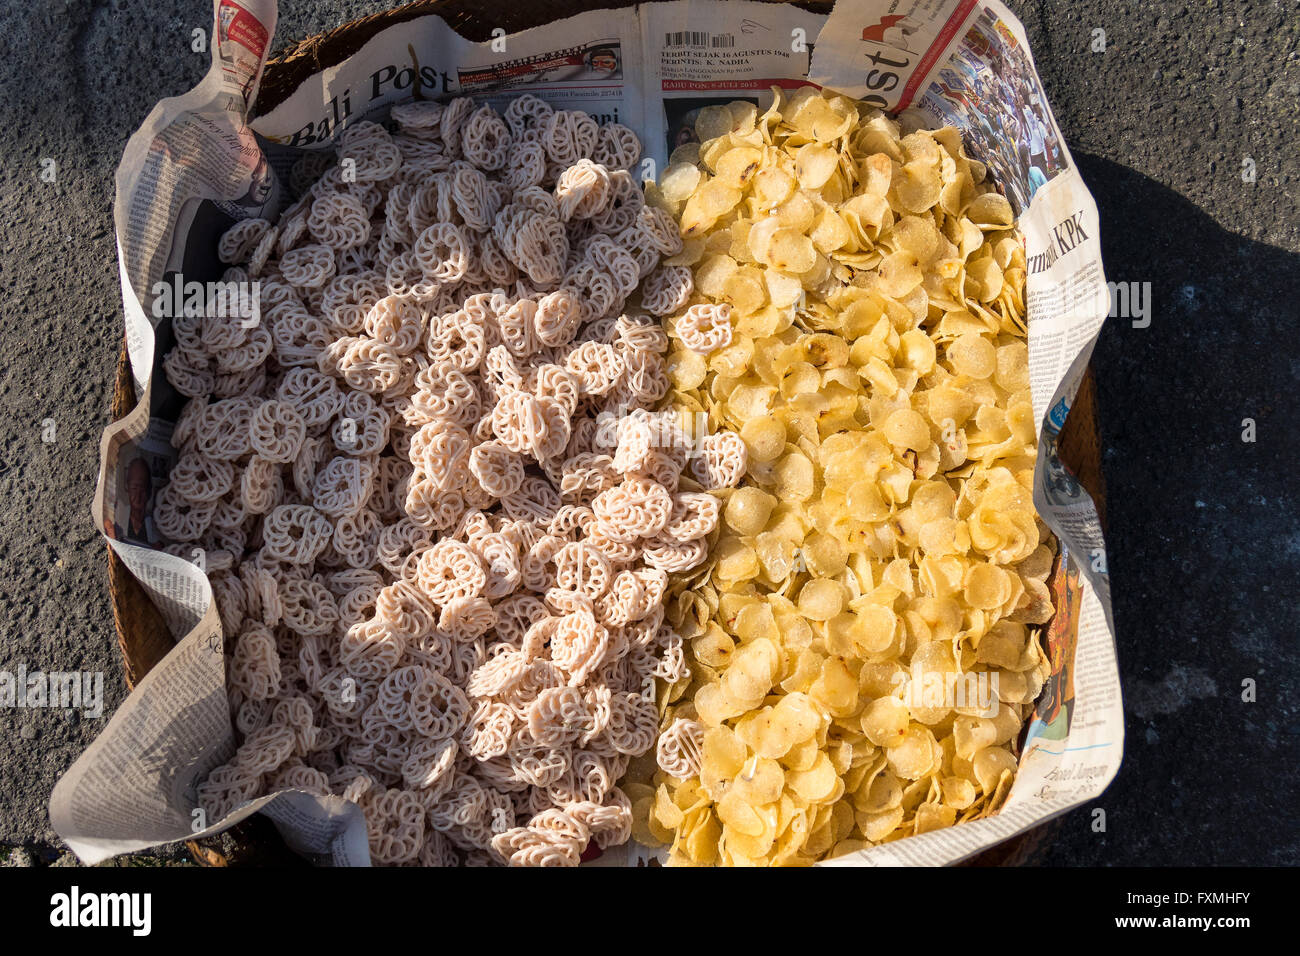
198,158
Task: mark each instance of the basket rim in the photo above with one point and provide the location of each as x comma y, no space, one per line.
138,639
299,59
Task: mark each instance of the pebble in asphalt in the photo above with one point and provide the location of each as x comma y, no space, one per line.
1204,535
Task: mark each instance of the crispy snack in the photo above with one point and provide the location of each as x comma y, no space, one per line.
863,640
441,579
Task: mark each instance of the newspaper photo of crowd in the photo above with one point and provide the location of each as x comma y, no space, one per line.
990,90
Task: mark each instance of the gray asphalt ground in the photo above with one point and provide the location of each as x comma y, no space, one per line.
1204,533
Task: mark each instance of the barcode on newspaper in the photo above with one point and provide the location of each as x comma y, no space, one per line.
700,38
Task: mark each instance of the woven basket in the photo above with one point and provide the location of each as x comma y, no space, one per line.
141,634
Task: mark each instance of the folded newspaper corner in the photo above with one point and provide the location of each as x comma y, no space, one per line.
198,164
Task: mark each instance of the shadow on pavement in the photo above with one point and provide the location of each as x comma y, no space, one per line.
1203,537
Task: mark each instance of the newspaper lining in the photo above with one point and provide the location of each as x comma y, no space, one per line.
197,164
